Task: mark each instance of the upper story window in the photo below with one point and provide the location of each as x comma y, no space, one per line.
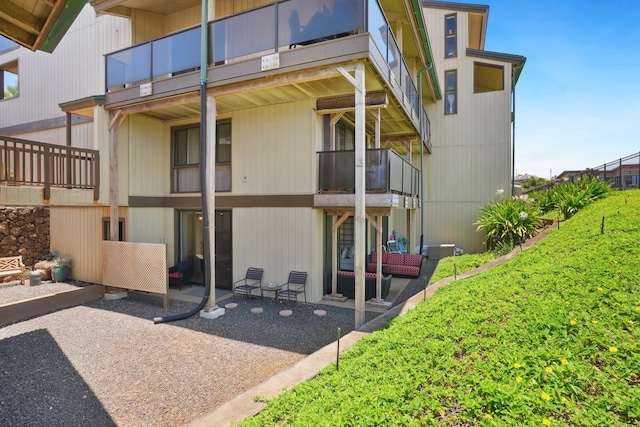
185,158
9,80
451,92
345,135
450,36
7,45
487,77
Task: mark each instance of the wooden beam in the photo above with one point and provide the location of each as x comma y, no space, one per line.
21,18
161,103
407,137
374,223
370,211
275,81
342,219
347,102
17,34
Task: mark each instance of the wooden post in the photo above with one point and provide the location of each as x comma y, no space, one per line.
360,222
210,164
114,125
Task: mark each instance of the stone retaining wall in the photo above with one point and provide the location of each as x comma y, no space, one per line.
24,231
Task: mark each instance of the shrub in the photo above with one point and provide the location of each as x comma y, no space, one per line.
510,221
569,198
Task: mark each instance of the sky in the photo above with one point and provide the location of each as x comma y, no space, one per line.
578,97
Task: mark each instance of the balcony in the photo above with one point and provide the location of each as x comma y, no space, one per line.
31,163
280,27
386,172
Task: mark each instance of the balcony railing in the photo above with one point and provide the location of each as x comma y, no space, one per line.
386,172
33,163
257,32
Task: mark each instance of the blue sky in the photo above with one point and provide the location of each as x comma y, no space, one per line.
578,97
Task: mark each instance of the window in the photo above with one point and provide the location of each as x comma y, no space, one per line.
9,80
7,45
487,78
185,155
223,156
345,136
450,32
451,94
186,160
106,229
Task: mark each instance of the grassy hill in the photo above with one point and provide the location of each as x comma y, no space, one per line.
550,337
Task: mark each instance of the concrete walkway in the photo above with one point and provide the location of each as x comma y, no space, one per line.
245,405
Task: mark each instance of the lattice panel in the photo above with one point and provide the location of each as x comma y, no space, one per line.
135,266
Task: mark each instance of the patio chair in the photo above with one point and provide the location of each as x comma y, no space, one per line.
294,286
252,280
180,274
393,247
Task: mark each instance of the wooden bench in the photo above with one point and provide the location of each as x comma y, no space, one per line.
12,266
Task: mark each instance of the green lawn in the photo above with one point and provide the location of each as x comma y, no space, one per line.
550,337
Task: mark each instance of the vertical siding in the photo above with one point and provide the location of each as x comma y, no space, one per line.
69,75
274,149
229,7
279,240
183,19
77,233
81,136
146,26
471,157
149,165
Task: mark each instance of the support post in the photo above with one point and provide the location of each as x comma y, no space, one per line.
359,221
114,125
210,166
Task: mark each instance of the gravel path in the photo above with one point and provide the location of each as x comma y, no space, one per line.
106,363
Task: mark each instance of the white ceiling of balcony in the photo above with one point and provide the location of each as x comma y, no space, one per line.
396,130
123,7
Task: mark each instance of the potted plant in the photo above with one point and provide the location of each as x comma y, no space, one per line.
60,268
45,265
35,277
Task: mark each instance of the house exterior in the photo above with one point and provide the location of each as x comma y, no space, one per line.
622,173
327,126
471,128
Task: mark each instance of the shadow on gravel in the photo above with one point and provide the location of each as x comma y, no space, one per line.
303,332
40,386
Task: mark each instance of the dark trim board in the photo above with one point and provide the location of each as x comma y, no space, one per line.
225,201
40,125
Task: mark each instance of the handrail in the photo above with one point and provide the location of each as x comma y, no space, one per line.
259,31
386,172
32,163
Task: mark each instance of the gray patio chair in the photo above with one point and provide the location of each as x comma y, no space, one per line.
294,286
252,280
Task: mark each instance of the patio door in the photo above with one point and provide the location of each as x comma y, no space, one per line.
190,246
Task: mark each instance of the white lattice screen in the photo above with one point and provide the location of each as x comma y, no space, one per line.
135,266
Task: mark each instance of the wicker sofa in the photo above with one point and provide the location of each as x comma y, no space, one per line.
346,282
407,265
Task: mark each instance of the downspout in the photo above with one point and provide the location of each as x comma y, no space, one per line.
203,188
421,132
513,134
514,76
